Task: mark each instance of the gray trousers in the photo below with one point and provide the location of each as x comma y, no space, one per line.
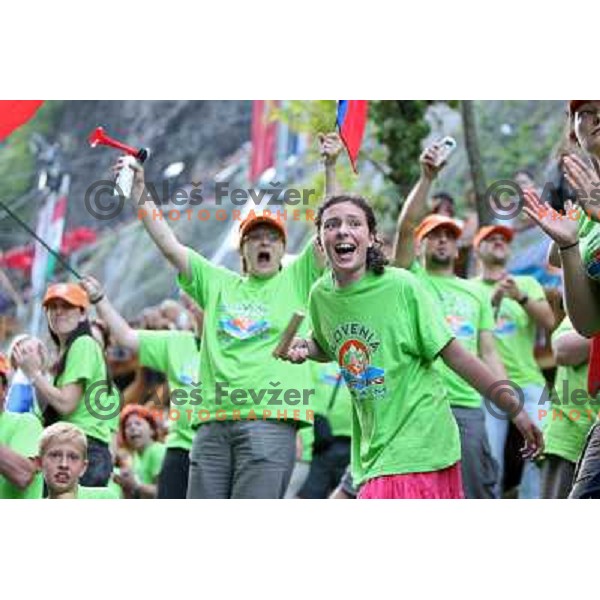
242,459
557,477
479,469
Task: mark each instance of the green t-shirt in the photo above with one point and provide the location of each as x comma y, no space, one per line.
385,333
20,432
568,421
467,311
148,464
589,245
177,354
97,493
85,365
338,409
244,318
515,332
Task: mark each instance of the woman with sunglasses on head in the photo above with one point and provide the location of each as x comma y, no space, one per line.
242,448
576,237
81,381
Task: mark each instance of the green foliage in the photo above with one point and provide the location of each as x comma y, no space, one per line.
535,130
400,126
17,164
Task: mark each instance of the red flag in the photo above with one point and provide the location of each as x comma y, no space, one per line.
14,113
263,139
594,367
351,121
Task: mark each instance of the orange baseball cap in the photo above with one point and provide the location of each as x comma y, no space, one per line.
72,293
488,230
431,222
254,219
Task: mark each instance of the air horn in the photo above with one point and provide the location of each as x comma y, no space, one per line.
124,180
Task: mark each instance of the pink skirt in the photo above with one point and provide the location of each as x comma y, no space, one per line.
444,484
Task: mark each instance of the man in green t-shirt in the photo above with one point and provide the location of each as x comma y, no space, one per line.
520,307
177,354
19,434
467,312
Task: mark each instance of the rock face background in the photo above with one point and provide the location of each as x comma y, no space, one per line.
199,133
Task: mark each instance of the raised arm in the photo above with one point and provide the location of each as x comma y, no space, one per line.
330,147
414,209
581,293
121,332
162,235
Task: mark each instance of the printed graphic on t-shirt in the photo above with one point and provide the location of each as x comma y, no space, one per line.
505,326
363,379
243,321
461,328
593,265
460,316
189,373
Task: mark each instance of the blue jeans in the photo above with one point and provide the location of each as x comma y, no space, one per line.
497,430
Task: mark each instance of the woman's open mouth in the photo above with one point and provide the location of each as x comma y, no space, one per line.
345,250
263,258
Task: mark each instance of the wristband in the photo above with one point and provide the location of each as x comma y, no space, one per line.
97,299
563,248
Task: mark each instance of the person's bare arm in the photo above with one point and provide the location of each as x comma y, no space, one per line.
156,226
414,209
581,294
121,332
19,470
571,349
63,399
489,355
330,147
476,374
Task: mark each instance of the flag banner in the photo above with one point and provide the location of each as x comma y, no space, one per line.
351,122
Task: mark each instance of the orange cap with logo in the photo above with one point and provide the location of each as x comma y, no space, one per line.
488,230
254,219
431,222
72,293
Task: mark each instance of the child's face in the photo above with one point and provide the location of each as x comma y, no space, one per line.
138,432
63,465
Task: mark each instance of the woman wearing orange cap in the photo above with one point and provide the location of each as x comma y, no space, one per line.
81,380
577,237
249,413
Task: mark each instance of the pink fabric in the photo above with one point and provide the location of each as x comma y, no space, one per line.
446,483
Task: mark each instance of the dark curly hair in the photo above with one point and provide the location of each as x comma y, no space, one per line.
376,259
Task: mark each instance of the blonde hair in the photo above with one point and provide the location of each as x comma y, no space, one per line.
61,433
